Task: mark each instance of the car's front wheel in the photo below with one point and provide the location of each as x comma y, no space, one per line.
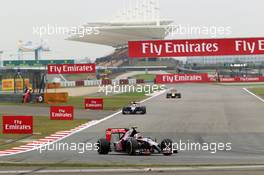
143,111
166,147
131,146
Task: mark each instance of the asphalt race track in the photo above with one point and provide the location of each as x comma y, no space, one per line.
205,114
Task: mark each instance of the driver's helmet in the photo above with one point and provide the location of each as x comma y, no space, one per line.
138,136
133,103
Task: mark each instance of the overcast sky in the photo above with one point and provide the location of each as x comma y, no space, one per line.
18,17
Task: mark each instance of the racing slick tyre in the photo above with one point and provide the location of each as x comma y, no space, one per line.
143,110
131,146
103,146
124,111
165,144
168,96
40,98
179,95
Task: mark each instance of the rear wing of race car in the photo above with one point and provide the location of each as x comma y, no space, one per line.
110,131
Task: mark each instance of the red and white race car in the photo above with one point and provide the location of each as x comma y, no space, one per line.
131,141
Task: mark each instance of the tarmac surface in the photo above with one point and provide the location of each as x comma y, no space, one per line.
238,170
206,114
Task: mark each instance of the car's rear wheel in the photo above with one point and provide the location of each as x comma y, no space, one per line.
166,147
144,111
179,95
103,146
131,146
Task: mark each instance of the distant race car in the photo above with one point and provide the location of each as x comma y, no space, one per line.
173,94
134,108
130,141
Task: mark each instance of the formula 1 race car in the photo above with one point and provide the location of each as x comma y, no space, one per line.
130,141
173,94
134,108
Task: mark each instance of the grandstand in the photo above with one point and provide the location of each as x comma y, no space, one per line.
139,21
116,59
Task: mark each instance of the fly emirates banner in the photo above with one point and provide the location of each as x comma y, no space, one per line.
195,47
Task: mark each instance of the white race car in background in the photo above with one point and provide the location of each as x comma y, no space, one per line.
173,94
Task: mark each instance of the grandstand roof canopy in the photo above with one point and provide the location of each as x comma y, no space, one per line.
117,34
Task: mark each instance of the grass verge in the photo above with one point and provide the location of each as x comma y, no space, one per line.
111,102
259,91
39,131
146,77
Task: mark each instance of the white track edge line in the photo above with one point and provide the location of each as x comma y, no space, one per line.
245,89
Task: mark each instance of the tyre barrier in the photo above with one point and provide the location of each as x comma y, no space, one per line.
79,83
106,82
140,81
101,82
123,81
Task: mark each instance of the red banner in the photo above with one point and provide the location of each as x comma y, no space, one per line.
94,103
17,124
61,113
195,47
182,78
71,68
241,79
